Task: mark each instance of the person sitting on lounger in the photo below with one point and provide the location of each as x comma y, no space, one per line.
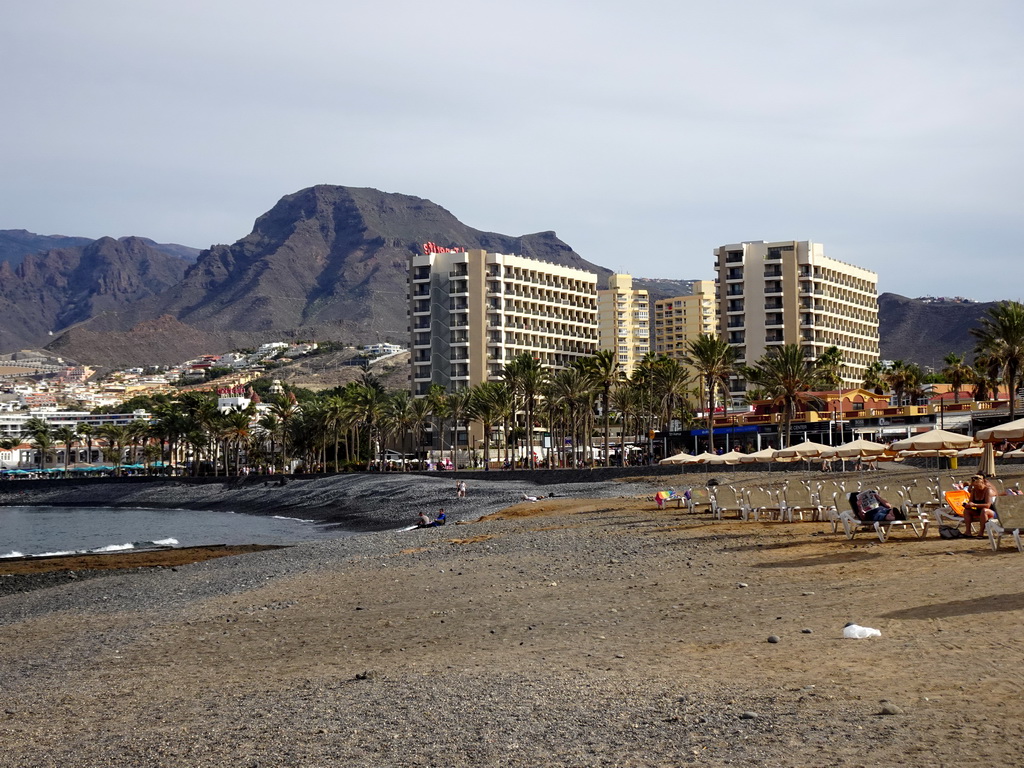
980,504
873,508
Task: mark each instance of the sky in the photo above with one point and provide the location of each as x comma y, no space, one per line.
645,134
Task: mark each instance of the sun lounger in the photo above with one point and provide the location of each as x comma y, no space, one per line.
725,499
852,525
764,502
1009,523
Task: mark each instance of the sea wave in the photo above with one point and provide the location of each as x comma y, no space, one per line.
299,519
109,548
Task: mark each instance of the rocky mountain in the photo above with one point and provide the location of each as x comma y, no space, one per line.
50,291
327,262
16,244
924,332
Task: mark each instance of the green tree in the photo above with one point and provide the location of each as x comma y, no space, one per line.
68,436
714,360
784,373
956,373
604,372
1001,337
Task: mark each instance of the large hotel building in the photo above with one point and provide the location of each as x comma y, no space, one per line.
624,325
789,292
472,312
680,319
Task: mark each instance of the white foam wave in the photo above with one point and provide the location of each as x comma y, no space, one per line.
299,519
12,554
114,548
56,554
166,543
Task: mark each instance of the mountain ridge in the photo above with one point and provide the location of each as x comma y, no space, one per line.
326,262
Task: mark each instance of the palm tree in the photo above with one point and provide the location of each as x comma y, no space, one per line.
604,372
902,378
785,373
957,373
874,377
369,404
525,376
116,437
460,409
714,360
43,442
237,429
570,394
68,436
268,427
438,399
284,409
85,430
1001,337
420,418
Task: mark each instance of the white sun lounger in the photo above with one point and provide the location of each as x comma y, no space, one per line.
1009,523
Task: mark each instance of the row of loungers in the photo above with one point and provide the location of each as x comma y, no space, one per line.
923,507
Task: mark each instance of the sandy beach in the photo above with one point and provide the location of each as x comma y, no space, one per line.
586,629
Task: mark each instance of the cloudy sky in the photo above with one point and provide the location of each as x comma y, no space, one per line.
644,133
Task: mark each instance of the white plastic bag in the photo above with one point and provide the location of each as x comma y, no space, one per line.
856,631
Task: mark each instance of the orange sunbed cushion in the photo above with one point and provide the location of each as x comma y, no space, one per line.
956,500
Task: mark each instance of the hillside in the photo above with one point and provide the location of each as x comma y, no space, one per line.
326,263
925,332
59,288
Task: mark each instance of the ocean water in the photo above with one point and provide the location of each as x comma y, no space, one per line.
65,530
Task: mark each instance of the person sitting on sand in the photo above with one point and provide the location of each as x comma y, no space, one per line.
441,518
425,521
980,504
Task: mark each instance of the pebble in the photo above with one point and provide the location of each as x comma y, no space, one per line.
773,638
748,716
888,708
742,584
807,630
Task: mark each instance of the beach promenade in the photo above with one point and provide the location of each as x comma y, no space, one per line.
586,629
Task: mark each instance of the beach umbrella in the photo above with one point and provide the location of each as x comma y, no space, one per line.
859,448
1011,430
679,458
703,458
764,455
970,453
925,453
1017,454
933,440
987,462
805,450
732,457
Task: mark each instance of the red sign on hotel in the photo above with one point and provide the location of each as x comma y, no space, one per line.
435,248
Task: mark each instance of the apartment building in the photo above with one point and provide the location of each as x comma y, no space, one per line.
472,312
789,292
623,319
680,319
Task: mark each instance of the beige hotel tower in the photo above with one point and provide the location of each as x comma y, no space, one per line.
624,325
680,319
472,312
789,292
